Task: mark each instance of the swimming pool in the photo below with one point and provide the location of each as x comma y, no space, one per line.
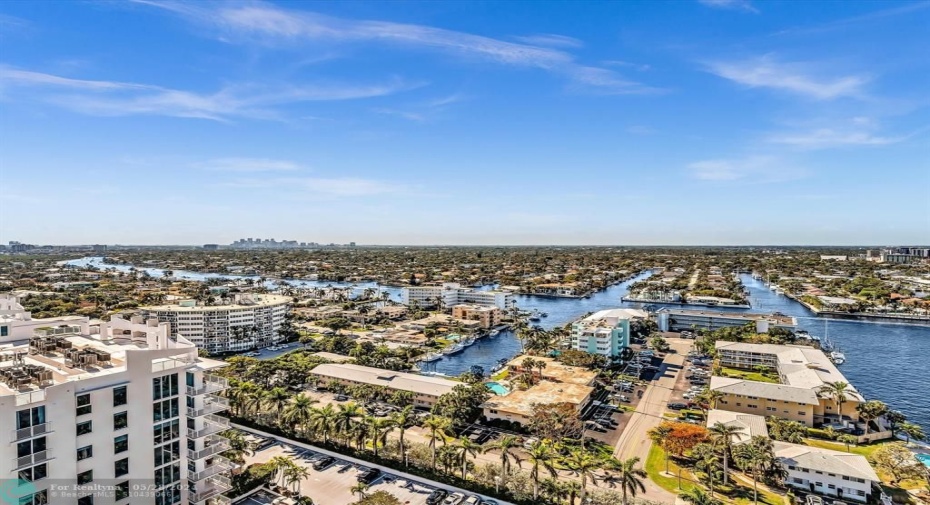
924,458
497,388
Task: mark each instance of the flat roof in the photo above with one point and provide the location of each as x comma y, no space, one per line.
799,366
744,316
421,384
256,300
521,401
555,370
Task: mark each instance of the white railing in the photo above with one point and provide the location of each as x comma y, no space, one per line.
217,466
31,459
211,384
216,485
32,431
30,397
214,444
210,428
170,364
211,405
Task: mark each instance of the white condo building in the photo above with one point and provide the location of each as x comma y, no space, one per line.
452,293
111,413
250,321
605,332
17,324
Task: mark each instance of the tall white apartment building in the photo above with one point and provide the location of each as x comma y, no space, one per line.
605,332
16,323
111,413
452,293
250,321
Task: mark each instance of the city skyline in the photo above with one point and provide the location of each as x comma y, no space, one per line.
716,122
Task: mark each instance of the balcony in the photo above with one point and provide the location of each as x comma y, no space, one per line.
31,459
217,466
211,384
32,431
211,405
214,444
215,486
212,424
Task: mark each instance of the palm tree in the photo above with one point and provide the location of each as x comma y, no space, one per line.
402,420
465,447
872,409
280,466
346,415
709,397
754,456
837,391
912,430
294,475
276,399
359,489
542,456
239,446
437,426
378,430
299,412
628,475
323,420
582,464
697,496
708,464
506,443
659,436
722,435
847,439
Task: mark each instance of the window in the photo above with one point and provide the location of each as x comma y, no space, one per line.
818,484
120,421
860,492
831,486
34,473
168,453
120,444
28,447
119,396
85,428
121,491
85,452
801,413
797,480
121,467
86,500
167,431
40,498
83,404
30,417
163,387
4,331
167,475
85,477
165,410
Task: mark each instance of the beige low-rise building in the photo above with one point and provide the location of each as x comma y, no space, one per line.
487,316
803,372
426,390
749,425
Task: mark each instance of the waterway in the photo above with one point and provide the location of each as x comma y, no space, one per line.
884,361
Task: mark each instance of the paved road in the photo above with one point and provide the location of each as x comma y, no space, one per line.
329,487
635,439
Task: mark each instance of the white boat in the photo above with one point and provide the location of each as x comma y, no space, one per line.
468,341
431,357
837,357
454,348
494,333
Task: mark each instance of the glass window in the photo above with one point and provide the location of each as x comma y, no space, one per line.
85,477
165,410
34,473
121,444
121,491
119,396
39,498
163,387
27,447
85,452
120,420
121,467
85,427
83,404
30,417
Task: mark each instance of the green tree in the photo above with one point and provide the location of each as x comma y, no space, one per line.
464,448
505,444
898,461
402,420
659,436
697,496
628,475
838,392
347,414
723,435
872,409
437,426
298,413
912,431
541,455
847,439
584,465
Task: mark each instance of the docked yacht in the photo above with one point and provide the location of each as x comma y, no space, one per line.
431,357
837,357
454,348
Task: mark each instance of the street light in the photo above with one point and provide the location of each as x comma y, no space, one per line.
497,484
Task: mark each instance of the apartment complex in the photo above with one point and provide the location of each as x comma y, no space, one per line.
250,321
683,319
426,390
802,372
605,332
452,293
112,413
17,324
825,472
488,317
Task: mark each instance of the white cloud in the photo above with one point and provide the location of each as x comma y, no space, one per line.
246,165
268,24
742,5
826,137
750,169
332,187
113,98
551,40
796,78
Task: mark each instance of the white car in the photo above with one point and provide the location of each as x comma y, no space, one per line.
454,499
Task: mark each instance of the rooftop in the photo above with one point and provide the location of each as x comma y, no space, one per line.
555,371
241,301
521,402
825,460
749,318
764,389
611,317
750,424
432,386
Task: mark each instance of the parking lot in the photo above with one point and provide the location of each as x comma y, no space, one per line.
331,485
695,378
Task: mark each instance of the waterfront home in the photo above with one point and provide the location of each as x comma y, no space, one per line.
670,319
802,371
826,472
487,317
452,293
426,390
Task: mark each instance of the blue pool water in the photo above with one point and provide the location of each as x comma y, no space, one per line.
924,458
497,388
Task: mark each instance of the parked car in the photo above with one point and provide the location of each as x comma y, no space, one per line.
624,398
488,502
454,499
369,476
813,500
340,398
436,497
677,406
323,462
473,500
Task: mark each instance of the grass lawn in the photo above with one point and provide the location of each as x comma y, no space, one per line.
748,375
863,450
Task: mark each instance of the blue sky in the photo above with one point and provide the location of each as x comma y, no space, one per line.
704,122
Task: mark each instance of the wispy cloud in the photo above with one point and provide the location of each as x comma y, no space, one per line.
739,5
750,169
114,98
826,138
332,187
268,24
863,18
798,78
550,40
246,165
